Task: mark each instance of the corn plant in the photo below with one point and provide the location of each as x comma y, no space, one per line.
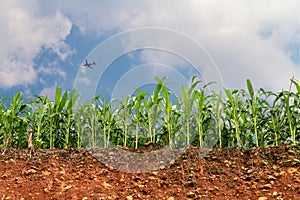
152,107
252,101
274,118
170,116
138,117
55,115
13,124
39,119
80,122
217,110
188,100
70,115
105,117
263,120
256,102
201,114
292,102
91,135
234,110
286,115
123,120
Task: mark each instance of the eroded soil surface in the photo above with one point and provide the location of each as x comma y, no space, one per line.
270,173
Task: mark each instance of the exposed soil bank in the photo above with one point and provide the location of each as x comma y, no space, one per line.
270,173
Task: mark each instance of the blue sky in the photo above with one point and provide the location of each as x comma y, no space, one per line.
44,43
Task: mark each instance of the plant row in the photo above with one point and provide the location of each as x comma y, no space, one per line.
229,118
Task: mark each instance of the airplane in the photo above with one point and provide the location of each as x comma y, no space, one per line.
89,64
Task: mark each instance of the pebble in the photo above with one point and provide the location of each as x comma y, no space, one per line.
129,197
263,198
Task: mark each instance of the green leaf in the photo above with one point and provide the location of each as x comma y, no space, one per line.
296,84
229,95
62,102
250,88
57,96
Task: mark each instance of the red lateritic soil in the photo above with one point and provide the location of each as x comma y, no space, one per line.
259,174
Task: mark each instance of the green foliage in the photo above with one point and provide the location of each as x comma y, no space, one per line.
242,118
12,122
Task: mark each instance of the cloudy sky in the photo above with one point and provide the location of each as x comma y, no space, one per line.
44,43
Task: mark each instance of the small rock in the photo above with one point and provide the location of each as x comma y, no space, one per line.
263,198
67,187
275,193
151,178
172,162
190,194
57,180
267,186
106,185
270,177
155,173
129,197
30,171
162,167
46,190
171,198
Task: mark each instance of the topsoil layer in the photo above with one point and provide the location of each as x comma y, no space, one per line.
269,173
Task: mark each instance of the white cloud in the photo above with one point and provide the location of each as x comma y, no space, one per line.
24,32
246,39
161,56
84,80
49,92
52,71
230,32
